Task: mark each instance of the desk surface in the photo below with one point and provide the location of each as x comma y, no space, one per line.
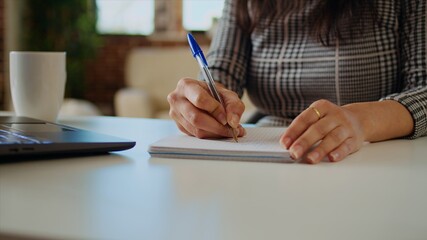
376,193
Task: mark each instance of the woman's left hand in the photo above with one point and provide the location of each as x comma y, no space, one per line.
337,130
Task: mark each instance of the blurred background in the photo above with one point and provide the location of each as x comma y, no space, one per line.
123,56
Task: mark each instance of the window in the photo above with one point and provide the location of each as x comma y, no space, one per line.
125,17
198,15
136,17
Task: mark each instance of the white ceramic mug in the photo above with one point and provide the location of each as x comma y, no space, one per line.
37,81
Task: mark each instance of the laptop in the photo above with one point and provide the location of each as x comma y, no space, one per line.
23,136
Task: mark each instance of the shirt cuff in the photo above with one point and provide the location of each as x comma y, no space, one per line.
415,102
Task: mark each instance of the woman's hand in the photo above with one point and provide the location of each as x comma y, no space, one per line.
337,130
198,114
340,131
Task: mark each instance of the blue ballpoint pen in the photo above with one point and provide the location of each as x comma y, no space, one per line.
198,55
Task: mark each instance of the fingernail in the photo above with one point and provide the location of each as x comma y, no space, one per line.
313,157
286,142
234,122
296,151
222,119
335,156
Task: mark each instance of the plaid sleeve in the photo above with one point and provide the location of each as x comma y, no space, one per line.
413,51
230,51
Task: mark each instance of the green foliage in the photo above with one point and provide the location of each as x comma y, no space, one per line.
63,25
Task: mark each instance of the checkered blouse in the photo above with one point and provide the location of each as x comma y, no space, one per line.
284,69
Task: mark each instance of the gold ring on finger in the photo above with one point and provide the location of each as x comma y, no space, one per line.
317,112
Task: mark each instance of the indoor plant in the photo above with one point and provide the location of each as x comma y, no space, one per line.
65,25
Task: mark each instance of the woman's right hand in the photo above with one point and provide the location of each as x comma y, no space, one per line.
198,114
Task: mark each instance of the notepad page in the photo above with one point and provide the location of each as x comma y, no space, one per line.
257,139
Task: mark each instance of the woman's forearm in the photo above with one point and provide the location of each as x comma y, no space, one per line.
382,120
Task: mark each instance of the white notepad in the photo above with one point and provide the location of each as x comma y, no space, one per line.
259,144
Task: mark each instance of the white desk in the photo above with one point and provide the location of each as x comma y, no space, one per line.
377,193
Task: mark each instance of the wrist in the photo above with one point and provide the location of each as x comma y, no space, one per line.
382,120
363,117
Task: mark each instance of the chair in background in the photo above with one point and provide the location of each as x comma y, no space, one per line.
151,73
78,107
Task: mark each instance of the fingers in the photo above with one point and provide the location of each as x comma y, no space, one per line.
323,130
189,129
300,124
313,134
332,140
197,113
234,107
197,93
346,148
197,122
